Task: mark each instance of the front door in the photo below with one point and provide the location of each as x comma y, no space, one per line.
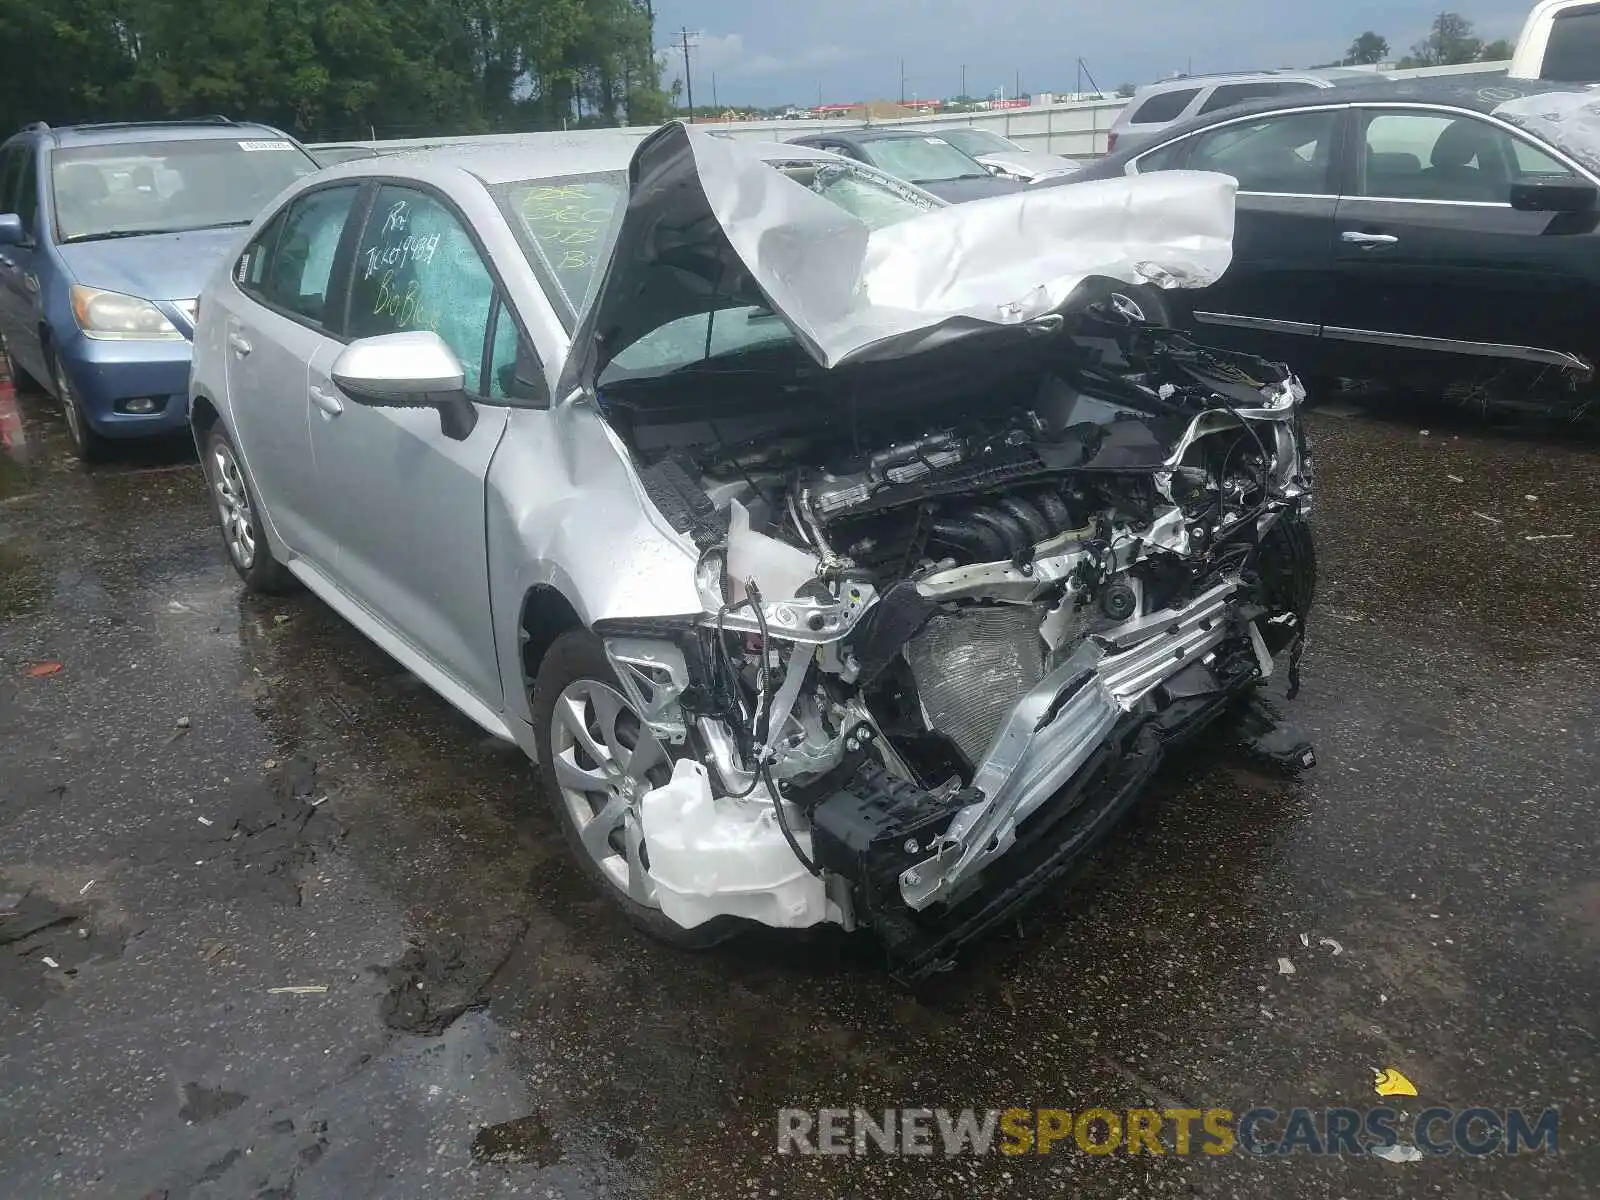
20,296
273,332
1434,266
405,503
1273,298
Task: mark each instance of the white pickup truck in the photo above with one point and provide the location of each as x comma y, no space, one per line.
1560,41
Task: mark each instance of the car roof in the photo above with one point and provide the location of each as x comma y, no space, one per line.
1325,75
121,133
867,133
1476,93
541,156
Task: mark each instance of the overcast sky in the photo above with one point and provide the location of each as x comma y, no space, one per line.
782,51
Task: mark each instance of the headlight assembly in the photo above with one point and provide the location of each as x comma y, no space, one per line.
115,317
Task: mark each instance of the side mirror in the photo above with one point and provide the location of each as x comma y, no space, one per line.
11,231
1554,197
408,370
992,168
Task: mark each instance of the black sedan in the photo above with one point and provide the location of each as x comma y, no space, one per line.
1435,234
918,157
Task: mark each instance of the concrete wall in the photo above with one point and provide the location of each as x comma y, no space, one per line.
1073,128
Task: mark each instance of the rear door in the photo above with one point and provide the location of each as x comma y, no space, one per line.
1275,294
1432,260
405,503
277,325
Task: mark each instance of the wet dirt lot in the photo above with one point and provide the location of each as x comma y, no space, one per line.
215,797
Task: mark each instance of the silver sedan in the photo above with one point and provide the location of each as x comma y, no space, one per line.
789,518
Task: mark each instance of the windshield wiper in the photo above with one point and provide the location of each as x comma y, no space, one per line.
110,234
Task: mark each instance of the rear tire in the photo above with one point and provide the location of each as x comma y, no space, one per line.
23,383
244,536
584,788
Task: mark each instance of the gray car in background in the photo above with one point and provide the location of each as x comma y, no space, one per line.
1157,107
840,555
1005,156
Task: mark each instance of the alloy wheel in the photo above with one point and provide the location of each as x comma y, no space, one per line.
233,505
605,759
69,409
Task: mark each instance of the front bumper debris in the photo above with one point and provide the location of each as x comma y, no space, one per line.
1054,730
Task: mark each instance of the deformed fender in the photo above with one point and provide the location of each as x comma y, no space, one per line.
565,509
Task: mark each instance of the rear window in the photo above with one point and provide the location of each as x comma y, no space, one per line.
130,188
1573,52
1229,94
1163,107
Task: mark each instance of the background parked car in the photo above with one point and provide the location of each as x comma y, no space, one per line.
332,156
1004,155
1559,41
106,234
1433,232
1159,107
925,159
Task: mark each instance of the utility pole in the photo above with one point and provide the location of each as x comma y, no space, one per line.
963,79
1016,93
715,103
688,80
902,83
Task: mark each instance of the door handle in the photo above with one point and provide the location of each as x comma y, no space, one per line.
1368,241
240,346
326,401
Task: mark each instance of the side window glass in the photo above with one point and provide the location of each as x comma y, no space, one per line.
251,270
1279,154
514,369
1228,94
1163,107
417,268
27,191
10,161
296,274
1439,156
1165,159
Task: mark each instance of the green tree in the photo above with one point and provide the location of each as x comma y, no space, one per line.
1450,41
1498,50
1126,91
1366,49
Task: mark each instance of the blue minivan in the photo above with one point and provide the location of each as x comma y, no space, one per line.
107,233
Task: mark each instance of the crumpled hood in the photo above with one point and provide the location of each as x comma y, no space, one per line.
1567,119
709,225
157,266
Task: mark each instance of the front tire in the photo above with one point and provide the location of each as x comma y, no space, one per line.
244,536
88,445
597,759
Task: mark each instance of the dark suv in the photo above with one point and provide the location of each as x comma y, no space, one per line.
107,233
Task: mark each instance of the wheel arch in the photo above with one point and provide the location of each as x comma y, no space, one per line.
545,615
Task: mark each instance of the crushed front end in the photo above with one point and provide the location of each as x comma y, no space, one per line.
957,610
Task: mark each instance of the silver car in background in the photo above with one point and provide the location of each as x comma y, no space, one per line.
839,555
1157,107
1005,157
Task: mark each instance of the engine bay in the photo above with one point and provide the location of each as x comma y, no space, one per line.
932,613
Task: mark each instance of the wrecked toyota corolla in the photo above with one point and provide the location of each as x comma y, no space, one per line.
869,560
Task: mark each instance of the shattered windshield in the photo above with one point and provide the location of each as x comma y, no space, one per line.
922,159
874,199
564,227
